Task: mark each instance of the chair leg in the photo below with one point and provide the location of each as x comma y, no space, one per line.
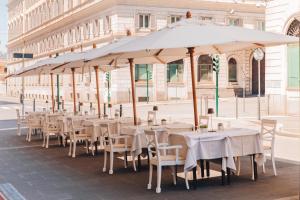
47,141
44,140
74,148
87,146
173,174
133,161
252,168
70,148
150,177
125,159
158,188
186,180
111,164
274,166
238,164
105,160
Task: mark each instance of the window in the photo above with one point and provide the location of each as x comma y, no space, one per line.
175,72
232,70
141,72
205,68
260,25
175,19
235,22
205,18
144,21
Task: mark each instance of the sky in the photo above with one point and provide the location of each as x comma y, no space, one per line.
3,25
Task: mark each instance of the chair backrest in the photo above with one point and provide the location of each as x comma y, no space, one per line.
268,130
203,121
152,140
152,116
104,129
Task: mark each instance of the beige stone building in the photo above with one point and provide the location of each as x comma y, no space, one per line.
282,62
50,27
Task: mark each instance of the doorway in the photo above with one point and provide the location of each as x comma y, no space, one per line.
255,77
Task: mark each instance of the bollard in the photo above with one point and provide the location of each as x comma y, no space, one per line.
121,110
33,105
236,107
63,104
258,107
104,108
91,106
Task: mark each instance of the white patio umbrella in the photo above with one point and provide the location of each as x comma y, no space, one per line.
189,37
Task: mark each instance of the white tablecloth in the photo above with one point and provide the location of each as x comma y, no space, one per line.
223,144
138,138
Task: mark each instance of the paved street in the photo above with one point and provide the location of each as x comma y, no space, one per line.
38,173
42,174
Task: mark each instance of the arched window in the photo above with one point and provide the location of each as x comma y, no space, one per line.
175,72
232,70
205,68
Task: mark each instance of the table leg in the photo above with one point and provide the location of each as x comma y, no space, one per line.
254,167
195,177
202,168
139,163
176,173
207,169
126,161
223,177
96,147
228,171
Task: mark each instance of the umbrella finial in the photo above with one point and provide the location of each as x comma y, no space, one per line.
94,46
128,32
188,15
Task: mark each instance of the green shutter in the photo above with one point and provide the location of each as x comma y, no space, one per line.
136,75
293,66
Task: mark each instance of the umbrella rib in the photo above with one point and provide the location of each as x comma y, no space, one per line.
258,44
59,66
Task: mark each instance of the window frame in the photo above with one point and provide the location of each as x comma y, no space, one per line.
232,80
209,70
144,15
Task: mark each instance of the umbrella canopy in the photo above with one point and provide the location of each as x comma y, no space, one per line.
206,38
189,37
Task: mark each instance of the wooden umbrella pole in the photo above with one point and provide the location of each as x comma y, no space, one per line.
133,89
97,87
52,92
74,89
191,51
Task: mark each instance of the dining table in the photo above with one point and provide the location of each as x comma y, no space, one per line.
225,145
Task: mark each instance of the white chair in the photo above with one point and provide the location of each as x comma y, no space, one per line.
77,133
158,156
268,131
20,122
34,123
50,128
112,144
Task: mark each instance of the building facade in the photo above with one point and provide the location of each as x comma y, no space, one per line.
50,27
3,72
282,62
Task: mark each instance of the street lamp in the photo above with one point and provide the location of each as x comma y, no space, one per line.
258,56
